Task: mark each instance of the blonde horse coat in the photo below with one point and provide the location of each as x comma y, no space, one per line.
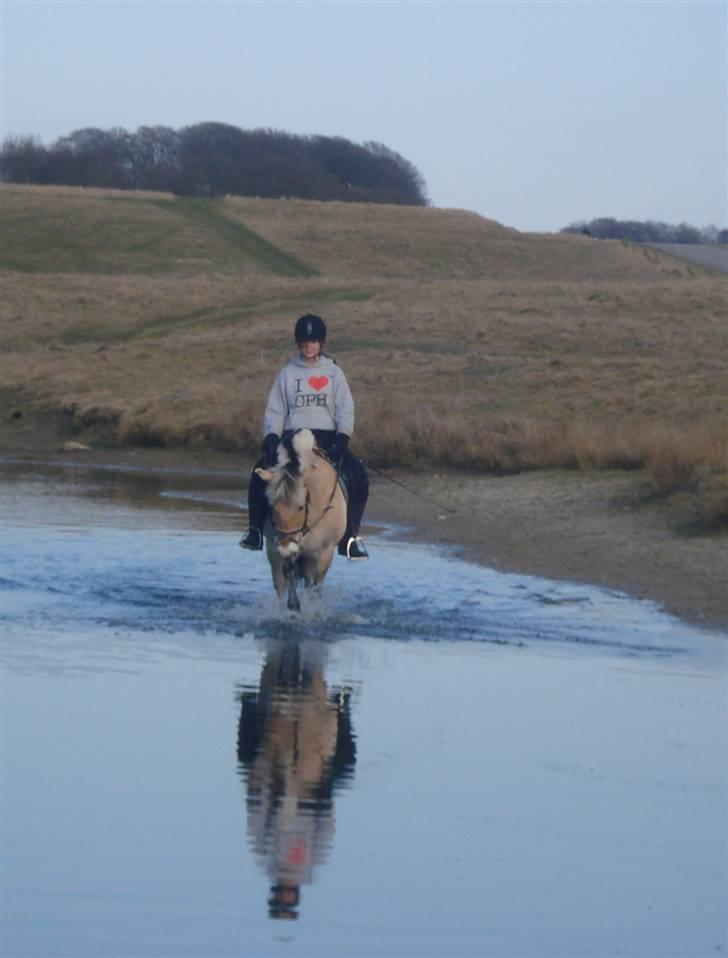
308,515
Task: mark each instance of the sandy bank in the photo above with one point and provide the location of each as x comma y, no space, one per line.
599,528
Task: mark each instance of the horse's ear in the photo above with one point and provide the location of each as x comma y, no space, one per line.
265,474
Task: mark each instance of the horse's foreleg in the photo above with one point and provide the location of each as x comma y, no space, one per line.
308,572
278,572
323,566
314,570
290,571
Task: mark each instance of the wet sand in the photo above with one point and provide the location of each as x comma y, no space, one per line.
600,528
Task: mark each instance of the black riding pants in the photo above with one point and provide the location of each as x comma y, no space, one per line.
352,472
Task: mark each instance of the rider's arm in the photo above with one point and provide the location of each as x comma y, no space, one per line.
343,404
276,407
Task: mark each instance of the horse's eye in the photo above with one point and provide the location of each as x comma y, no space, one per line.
300,508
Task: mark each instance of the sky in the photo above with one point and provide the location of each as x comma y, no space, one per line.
536,114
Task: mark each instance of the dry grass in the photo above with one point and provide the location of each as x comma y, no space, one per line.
693,463
394,242
466,343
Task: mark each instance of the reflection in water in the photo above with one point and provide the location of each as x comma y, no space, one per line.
295,747
164,490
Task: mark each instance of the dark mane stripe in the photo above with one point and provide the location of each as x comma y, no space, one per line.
294,463
288,484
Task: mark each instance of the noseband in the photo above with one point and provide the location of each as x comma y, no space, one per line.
304,530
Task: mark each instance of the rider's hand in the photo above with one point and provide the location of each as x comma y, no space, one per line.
270,450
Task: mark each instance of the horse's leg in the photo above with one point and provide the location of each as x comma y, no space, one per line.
291,574
280,582
308,571
323,566
293,601
309,577
314,570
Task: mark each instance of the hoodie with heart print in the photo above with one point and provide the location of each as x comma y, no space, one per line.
309,396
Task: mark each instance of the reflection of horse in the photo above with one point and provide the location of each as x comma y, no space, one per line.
294,745
308,515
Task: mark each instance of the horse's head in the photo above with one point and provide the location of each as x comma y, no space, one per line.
287,493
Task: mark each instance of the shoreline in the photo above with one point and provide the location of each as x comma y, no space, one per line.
599,528
592,529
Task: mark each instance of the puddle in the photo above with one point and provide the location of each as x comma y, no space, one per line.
435,759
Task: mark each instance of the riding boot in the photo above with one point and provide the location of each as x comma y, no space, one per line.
257,514
253,540
351,545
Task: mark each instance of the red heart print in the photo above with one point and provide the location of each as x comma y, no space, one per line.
318,382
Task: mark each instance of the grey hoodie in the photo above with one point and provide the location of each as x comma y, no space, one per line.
315,396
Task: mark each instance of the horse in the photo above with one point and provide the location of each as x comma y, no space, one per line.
307,515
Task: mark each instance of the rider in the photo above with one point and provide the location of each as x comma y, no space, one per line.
311,392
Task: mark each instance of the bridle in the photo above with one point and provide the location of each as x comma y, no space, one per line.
304,530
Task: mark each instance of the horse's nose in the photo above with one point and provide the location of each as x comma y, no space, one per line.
288,549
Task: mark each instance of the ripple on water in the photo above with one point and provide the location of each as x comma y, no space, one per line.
200,582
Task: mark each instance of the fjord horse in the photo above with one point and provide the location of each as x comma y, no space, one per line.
307,518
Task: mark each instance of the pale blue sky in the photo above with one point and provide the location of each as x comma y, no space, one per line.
532,113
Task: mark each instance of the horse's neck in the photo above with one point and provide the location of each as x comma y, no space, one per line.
319,483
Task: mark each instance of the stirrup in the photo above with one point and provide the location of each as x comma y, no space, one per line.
355,549
253,540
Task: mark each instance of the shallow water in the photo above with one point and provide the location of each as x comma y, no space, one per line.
435,759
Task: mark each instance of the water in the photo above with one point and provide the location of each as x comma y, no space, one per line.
436,759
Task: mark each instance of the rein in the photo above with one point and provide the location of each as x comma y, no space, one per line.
412,492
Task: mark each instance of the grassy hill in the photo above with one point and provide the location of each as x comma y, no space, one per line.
142,318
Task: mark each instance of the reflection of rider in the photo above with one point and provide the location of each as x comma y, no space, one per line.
295,745
311,392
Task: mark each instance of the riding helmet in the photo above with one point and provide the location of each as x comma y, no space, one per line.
309,329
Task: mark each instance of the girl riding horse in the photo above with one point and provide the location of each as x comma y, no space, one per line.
311,392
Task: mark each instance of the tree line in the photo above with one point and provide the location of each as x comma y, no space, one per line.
217,159
648,231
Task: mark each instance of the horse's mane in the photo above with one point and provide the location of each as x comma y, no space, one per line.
293,456
283,485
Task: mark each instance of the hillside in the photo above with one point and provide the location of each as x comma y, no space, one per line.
141,318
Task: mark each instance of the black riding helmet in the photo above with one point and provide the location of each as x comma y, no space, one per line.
310,329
